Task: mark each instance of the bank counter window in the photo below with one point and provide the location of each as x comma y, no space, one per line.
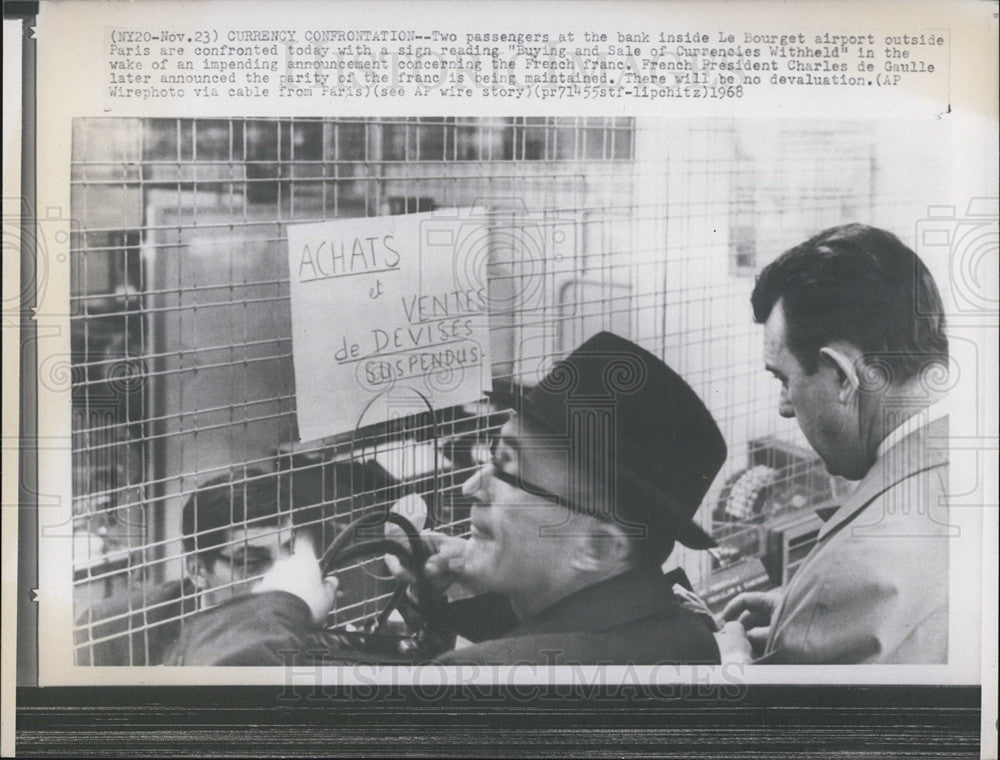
190,476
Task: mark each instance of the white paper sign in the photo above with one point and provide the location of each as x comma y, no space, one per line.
387,317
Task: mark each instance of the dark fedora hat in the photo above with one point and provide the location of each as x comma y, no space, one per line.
636,434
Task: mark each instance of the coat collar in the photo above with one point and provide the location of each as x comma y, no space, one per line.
629,596
923,418
924,446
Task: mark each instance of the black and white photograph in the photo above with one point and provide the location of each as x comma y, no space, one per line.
273,320
343,386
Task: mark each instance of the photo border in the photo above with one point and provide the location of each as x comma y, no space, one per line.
769,722
772,721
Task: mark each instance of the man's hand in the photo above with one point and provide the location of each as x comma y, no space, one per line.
754,610
696,604
733,644
300,575
443,568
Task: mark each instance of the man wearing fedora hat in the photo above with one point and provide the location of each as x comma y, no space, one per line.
592,480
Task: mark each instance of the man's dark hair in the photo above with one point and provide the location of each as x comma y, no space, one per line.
222,503
859,284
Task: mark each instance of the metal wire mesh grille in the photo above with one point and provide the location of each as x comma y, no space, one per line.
182,354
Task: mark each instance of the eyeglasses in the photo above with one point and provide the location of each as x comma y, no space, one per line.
516,481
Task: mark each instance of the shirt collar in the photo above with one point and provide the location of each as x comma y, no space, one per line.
925,416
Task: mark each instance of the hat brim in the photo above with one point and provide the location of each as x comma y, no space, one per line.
682,528
520,403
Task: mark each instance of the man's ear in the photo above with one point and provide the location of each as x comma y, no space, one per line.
843,361
604,545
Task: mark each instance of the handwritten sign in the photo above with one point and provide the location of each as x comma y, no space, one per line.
387,316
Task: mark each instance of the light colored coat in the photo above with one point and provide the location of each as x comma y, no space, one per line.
875,587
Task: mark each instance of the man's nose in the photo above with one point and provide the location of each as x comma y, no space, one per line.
474,485
785,408
296,539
